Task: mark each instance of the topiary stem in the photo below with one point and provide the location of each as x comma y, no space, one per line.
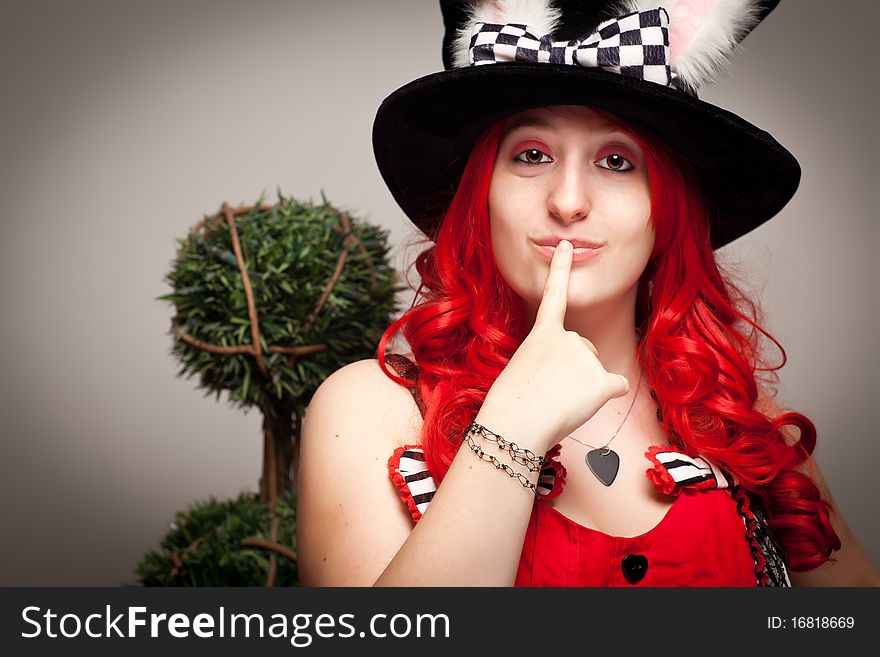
283,550
278,450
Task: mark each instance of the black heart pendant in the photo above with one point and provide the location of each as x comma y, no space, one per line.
634,567
604,463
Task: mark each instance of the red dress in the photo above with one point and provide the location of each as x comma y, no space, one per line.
714,534
700,541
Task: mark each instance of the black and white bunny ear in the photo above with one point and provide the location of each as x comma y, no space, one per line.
703,33
538,14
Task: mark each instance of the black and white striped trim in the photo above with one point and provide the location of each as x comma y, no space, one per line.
417,477
694,470
546,480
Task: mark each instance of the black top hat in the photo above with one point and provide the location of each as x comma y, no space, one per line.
505,56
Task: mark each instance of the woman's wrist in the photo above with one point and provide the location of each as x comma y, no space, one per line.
522,456
519,463
515,431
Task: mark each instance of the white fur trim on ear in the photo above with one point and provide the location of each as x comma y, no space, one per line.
702,33
538,14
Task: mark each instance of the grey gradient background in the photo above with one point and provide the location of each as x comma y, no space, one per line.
124,122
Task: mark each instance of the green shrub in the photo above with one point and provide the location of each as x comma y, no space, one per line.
204,545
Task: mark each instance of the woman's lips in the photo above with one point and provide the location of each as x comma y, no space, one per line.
580,253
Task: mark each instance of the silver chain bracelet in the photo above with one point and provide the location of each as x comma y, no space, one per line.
522,456
533,463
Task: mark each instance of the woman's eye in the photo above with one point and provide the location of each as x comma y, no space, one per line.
615,162
533,156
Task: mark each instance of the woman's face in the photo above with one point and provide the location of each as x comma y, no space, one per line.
564,172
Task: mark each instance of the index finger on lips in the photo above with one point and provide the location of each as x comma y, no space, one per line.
555,297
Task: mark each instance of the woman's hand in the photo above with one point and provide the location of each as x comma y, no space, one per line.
554,381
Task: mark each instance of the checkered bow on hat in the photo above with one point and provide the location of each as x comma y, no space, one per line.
636,44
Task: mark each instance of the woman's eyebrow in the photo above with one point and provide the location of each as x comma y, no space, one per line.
526,121
533,122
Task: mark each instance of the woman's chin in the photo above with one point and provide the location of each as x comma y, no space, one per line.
582,302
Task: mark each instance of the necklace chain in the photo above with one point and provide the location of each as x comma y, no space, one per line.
614,435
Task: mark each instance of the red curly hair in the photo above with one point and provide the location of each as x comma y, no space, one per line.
698,346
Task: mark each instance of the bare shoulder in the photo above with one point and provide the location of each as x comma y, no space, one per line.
350,520
362,390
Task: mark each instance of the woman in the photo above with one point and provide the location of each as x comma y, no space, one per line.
612,384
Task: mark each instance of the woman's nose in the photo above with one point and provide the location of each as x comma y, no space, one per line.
569,197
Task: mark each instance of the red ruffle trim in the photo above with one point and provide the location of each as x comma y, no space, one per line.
658,474
560,474
751,523
400,482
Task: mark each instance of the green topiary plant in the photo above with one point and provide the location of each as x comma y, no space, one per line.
270,300
220,544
